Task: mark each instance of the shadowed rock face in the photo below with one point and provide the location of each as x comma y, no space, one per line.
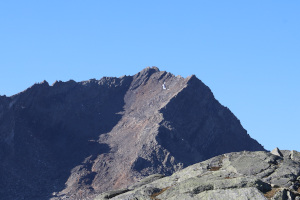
77,139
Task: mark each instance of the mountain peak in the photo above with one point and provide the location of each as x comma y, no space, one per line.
153,68
97,135
148,71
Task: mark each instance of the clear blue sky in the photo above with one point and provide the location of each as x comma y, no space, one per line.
247,52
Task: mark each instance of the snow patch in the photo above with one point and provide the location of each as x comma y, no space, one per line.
164,86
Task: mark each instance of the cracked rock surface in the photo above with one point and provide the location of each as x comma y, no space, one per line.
240,175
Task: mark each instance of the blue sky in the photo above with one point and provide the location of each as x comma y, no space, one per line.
247,52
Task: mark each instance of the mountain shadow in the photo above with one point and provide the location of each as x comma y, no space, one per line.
54,129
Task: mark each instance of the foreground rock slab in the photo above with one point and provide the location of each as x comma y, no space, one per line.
239,175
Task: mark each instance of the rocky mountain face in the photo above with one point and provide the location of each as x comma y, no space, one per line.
75,140
241,176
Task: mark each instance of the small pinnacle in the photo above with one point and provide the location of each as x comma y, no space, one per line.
276,152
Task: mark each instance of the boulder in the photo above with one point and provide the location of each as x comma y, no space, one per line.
277,152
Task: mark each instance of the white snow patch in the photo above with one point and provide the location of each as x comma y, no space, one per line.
164,86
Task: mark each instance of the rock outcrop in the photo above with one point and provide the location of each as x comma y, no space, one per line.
276,152
241,175
74,140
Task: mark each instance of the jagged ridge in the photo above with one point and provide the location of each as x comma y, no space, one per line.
102,134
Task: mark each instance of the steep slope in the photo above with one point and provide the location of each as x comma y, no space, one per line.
77,139
240,175
51,130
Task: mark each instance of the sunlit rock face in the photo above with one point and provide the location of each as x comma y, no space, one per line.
77,139
258,175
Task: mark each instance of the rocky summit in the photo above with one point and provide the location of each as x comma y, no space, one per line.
77,139
241,176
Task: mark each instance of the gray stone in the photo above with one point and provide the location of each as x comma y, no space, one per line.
146,180
277,152
295,156
250,164
283,194
110,194
197,185
226,177
285,174
236,194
